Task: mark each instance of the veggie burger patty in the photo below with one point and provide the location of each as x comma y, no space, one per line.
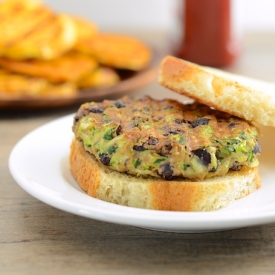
146,137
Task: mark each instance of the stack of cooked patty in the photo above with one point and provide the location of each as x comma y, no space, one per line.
47,54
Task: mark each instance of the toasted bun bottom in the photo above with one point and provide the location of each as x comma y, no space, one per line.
179,195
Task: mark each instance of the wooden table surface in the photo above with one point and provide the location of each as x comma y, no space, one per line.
36,238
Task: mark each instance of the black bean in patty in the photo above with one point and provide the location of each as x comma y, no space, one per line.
232,124
167,171
152,141
139,148
119,104
96,110
186,121
236,166
105,159
172,132
200,121
165,150
119,130
203,155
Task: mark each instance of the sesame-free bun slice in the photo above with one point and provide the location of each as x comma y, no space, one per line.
178,195
251,99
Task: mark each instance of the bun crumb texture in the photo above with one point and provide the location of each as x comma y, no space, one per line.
251,99
177,195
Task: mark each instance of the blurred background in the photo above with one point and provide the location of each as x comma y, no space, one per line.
157,14
161,19
235,35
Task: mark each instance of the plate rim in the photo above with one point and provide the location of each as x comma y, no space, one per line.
151,219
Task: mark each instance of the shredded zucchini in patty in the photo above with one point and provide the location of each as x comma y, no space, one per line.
167,139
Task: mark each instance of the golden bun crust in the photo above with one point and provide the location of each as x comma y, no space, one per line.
178,195
244,97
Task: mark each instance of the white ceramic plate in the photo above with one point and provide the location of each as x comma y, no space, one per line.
39,164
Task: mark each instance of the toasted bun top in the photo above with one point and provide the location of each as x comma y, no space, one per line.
251,99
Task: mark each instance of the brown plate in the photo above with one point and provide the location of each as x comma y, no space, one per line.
130,82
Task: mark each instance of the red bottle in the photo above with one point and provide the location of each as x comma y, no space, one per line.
210,34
